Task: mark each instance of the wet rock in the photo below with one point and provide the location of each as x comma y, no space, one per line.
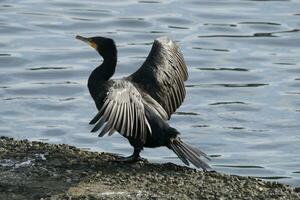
35,170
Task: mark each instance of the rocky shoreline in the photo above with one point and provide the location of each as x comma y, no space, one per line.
35,170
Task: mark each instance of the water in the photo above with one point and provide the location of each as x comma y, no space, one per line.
242,105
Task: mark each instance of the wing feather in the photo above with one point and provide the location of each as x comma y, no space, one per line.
123,111
162,75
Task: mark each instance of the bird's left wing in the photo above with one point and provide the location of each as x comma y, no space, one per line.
123,111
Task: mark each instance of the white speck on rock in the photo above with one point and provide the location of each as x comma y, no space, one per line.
7,163
24,164
40,156
112,193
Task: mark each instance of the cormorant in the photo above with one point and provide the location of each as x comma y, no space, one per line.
138,106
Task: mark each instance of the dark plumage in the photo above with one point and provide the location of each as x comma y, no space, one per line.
138,106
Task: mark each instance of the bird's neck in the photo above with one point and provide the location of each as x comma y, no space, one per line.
101,74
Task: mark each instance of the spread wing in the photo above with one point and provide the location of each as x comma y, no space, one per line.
123,111
162,75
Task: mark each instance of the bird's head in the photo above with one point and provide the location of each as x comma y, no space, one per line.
104,46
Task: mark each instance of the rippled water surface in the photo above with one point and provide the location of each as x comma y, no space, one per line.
243,93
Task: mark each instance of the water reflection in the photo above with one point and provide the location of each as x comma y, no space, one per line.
222,69
229,85
262,23
227,102
241,166
186,113
47,68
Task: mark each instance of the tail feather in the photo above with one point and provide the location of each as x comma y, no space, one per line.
179,154
197,151
193,158
187,154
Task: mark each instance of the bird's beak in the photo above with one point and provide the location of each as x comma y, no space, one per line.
89,41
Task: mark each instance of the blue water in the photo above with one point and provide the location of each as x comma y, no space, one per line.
243,94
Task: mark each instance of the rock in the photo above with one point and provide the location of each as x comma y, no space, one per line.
35,170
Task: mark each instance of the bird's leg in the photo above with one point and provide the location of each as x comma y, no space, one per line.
133,158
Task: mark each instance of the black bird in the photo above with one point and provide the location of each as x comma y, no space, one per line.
138,106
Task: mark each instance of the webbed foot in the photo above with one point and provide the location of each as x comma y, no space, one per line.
129,159
135,157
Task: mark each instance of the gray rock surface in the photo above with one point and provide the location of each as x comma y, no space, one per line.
35,170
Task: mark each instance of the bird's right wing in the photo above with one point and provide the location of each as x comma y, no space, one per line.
162,75
123,111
